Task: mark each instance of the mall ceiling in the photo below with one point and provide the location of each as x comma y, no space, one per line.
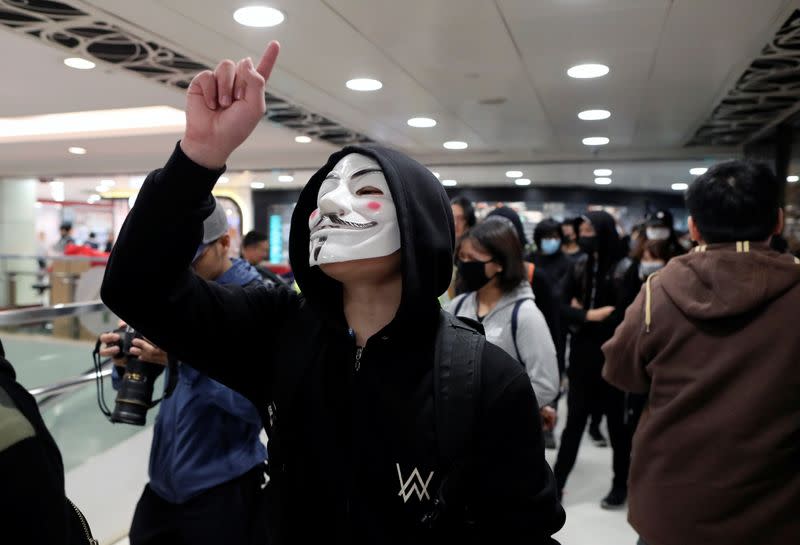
688,81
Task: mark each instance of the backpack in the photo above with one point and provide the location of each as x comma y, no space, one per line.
457,393
514,321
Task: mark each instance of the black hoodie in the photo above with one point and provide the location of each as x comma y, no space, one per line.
33,506
356,449
596,281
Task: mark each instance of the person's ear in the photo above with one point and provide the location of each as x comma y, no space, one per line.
694,232
781,221
225,241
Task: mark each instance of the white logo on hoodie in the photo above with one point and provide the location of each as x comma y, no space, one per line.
413,484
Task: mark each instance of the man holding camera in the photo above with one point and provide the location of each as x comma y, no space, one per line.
206,460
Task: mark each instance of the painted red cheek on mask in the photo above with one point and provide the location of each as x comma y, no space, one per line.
374,206
313,214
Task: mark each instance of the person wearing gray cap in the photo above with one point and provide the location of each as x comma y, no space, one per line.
206,455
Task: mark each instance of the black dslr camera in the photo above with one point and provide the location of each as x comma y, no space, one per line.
135,394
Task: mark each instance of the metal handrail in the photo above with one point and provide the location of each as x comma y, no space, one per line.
69,384
36,315
55,257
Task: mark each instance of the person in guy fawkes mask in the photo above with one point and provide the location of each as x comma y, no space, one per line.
347,385
592,302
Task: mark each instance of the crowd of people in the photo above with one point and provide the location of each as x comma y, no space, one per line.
412,376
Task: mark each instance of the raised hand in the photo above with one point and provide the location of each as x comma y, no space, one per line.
224,106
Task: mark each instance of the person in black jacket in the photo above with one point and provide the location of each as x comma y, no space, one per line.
594,302
33,505
341,374
549,255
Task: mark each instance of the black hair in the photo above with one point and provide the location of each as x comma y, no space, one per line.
469,210
546,229
66,226
252,238
513,217
735,200
499,238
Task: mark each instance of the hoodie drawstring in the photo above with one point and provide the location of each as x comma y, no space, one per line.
648,304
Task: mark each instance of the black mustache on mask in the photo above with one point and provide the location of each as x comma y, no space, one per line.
336,222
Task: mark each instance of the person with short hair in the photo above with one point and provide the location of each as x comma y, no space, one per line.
255,250
711,339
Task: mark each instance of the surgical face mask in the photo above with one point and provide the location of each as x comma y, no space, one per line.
658,233
473,273
550,245
649,267
355,216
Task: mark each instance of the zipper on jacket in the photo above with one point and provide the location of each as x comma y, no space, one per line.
357,365
86,532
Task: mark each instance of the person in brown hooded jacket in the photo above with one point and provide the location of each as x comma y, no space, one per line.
716,456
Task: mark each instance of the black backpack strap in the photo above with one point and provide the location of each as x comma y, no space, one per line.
514,326
457,377
457,388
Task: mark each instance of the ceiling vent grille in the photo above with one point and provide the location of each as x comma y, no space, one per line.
765,94
87,35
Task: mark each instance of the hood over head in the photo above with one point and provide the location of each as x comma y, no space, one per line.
721,282
609,245
511,215
427,234
5,366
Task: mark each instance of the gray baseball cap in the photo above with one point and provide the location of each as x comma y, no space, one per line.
214,227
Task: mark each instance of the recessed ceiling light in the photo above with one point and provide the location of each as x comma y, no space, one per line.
522,181
258,16
680,186
364,84
302,139
594,115
257,185
108,183
595,141
455,144
94,197
79,63
101,189
603,172
285,178
435,173
77,151
513,173
699,171
422,122
587,71
223,180
449,183
792,179
602,181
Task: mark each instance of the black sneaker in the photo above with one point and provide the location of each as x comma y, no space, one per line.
549,440
598,438
615,499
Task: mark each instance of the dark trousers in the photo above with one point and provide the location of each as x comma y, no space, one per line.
226,513
584,391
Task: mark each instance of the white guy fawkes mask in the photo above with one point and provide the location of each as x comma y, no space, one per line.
355,216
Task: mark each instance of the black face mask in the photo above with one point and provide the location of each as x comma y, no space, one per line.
473,274
588,244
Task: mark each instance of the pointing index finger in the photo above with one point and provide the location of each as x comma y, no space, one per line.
267,61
